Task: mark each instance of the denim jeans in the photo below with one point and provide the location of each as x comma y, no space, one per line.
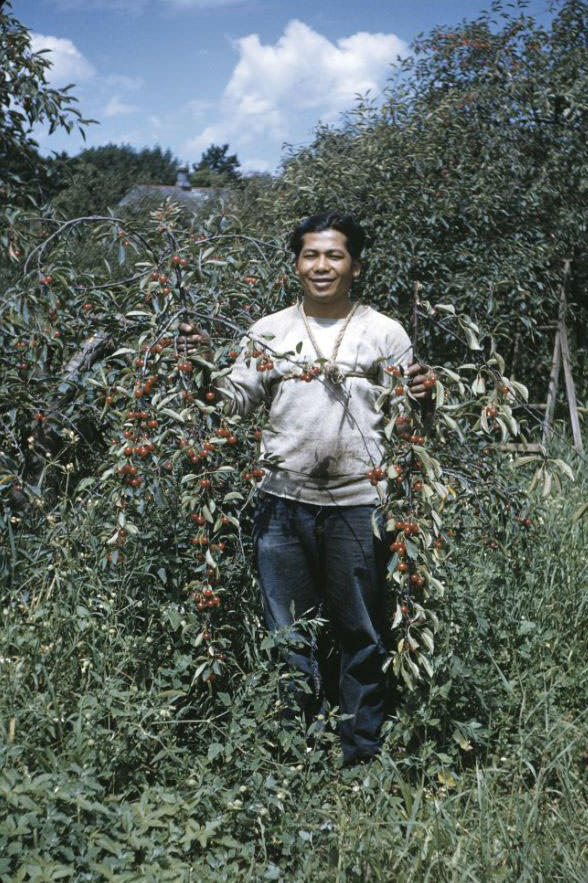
327,558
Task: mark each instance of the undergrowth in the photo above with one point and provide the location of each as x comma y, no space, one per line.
117,764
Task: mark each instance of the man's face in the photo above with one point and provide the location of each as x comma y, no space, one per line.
325,267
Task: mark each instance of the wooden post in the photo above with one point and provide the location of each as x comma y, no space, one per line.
571,390
561,354
552,390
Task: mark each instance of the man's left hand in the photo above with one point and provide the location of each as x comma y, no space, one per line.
418,375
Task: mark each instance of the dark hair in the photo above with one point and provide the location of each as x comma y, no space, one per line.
346,224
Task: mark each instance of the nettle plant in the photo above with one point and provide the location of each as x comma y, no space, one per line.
173,482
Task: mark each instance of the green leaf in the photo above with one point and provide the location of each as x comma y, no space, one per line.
580,511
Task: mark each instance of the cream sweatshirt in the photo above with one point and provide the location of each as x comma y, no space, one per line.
322,437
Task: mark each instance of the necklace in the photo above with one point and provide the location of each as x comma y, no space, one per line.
331,369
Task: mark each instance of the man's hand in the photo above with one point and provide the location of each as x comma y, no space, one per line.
420,384
192,338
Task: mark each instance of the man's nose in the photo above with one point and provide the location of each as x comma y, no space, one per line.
321,262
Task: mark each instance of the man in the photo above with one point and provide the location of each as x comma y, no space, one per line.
313,531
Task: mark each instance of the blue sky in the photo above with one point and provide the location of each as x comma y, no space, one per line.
254,73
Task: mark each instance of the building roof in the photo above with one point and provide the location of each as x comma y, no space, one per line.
192,197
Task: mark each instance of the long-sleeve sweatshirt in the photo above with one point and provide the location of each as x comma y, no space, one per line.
322,437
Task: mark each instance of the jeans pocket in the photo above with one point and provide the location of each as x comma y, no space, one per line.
260,516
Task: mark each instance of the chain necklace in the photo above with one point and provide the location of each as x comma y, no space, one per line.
330,368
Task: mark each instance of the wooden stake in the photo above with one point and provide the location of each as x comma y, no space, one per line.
416,289
552,390
561,354
571,390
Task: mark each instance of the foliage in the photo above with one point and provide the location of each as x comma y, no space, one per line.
216,168
143,732
26,100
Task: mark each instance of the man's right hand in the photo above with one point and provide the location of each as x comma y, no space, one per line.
193,339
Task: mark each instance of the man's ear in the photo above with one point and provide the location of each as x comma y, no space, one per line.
356,269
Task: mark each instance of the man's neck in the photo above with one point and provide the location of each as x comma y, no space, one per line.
337,310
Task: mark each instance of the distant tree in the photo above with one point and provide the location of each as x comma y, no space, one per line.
89,191
216,168
98,177
151,165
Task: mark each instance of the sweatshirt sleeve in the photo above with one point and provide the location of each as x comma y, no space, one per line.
245,388
398,352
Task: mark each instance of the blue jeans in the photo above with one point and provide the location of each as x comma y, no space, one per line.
327,558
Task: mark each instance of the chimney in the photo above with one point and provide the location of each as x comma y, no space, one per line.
182,180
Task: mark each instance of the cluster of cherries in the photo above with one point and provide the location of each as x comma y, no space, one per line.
253,473
407,527
264,363
145,388
130,475
163,280
144,447
310,374
413,439
206,600
375,475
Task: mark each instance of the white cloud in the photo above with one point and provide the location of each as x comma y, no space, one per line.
68,65
116,107
277,90
309,71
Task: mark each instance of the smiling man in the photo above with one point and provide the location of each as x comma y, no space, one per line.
315,547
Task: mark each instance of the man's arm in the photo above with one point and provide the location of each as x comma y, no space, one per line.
243,388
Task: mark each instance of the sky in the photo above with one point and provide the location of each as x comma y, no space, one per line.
256,74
